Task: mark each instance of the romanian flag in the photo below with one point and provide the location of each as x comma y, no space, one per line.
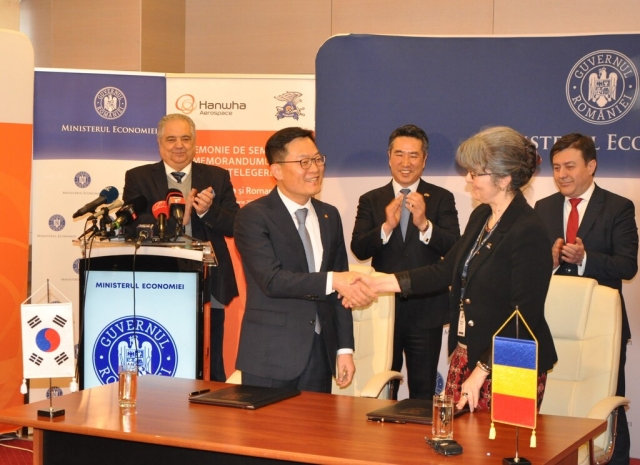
514,382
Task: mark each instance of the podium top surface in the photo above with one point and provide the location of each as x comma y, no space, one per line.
180,249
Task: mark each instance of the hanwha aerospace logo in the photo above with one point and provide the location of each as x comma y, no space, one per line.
186,103
56,222
110,103
602,87
150,347
82,179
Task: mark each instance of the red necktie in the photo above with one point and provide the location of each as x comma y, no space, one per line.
572,223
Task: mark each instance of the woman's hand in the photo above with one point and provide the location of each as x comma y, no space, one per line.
471,389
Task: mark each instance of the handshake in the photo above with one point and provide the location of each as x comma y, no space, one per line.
359,289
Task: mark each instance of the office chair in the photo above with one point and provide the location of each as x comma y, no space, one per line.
373,334
373,355
585,320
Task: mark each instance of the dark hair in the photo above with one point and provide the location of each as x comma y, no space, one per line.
503,152
411,130
577,141
276,147
173,117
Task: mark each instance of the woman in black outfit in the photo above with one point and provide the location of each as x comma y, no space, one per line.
501,262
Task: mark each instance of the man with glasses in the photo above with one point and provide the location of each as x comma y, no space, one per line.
403,225
210,211
295,331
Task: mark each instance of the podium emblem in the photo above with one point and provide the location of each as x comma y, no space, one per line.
141,341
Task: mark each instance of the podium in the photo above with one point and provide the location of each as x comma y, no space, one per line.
155,314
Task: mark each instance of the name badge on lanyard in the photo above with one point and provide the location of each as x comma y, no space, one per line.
461,322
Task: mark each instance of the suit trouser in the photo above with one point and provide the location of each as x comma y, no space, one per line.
421,348
216,341
623,441
315,377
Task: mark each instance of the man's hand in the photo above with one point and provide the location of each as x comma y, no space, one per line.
353,291
392,213
556,252
418,208
198,201
345,370
573,253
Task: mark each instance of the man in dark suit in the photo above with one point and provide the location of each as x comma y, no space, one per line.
431,230
295,330
605,246
209,214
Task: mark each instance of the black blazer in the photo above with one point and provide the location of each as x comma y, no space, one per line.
512,269
150,181
399,254
610,236
283,297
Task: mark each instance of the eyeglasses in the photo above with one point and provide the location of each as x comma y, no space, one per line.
305,163
475,175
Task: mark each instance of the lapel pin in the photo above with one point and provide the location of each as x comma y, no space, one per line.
326,216
489,245
427,194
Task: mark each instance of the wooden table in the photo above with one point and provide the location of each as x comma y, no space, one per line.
310,428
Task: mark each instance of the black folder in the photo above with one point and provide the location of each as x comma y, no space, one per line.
408,411
243,396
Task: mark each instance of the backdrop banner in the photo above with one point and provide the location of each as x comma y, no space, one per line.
16,126
89,128
544,87
234,117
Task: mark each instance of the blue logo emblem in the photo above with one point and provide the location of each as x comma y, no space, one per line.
110,103
76,266
602,87
151,348
55,391
290,108
56,222
82,179
439,383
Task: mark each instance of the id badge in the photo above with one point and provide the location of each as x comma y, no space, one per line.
461,324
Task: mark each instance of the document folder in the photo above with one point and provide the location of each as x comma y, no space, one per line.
245,397
408,411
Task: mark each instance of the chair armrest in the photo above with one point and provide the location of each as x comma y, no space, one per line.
604,407
378,381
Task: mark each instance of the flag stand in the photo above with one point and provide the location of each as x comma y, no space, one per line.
47,341
52,412
514,383
516,460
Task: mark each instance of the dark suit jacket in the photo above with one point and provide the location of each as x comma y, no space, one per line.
283,298
150,181
399,254
610,236
511,270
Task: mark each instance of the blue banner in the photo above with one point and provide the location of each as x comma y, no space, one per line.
544,87
97,116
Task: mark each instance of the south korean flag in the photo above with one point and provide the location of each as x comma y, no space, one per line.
47,340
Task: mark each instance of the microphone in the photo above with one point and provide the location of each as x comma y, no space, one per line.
143,235
104,210
107,195
160,211
129,213
175,200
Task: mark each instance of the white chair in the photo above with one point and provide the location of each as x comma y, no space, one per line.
373,355
585,321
